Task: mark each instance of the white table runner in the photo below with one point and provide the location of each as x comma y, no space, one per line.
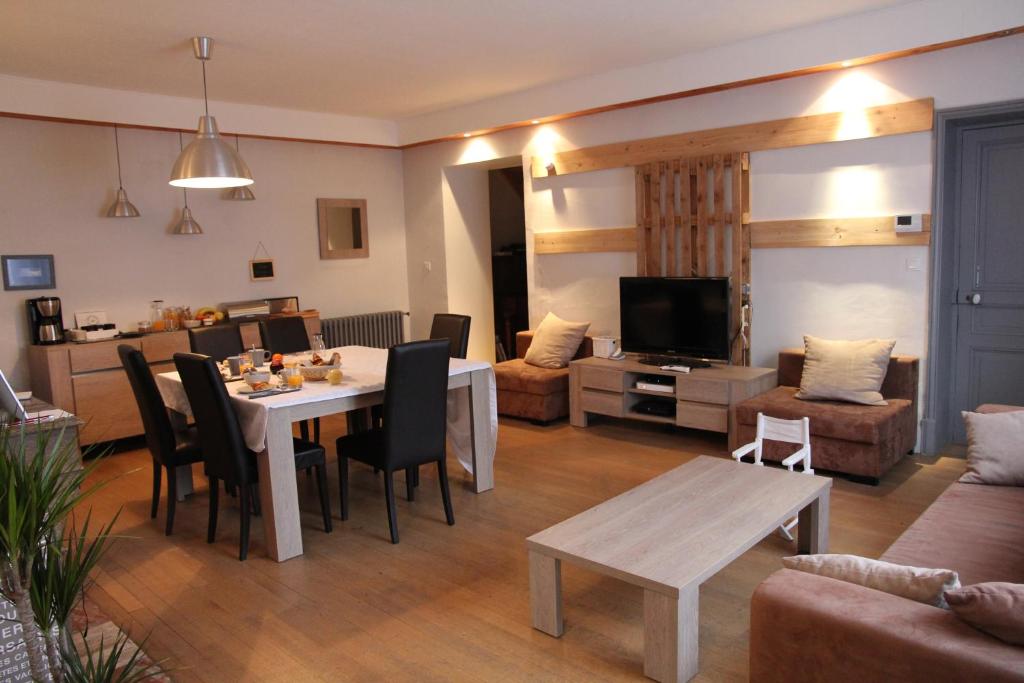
364,369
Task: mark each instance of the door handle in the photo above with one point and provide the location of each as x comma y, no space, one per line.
973,299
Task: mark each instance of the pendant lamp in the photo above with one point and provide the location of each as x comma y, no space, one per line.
187,225
121,208
242,193
208,161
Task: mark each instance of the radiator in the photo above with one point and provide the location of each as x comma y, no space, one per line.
382,330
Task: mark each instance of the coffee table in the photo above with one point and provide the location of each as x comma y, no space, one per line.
670,535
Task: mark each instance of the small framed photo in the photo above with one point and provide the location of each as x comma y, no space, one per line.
261,269
28,272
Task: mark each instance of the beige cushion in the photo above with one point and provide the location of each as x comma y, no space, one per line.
914,583
996,608
850,371
995,448
555,342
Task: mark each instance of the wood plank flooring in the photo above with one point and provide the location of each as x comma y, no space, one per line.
448,603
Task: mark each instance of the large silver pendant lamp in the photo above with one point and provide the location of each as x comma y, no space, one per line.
242,193
186,225
121,208
208,161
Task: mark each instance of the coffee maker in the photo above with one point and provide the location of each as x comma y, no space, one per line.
45,320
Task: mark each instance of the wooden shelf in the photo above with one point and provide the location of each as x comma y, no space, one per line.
646,392
644,417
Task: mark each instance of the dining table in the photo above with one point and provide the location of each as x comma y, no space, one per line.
266,424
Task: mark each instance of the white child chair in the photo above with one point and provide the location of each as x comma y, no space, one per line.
788,431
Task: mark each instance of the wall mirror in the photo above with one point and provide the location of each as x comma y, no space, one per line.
342,225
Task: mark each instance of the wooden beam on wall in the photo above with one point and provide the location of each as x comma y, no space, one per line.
837,232
584,241
890,119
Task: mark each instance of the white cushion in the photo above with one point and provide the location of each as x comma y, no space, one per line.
850,371
995,448
555,342
914,583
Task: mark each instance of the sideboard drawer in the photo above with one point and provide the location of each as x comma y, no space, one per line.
97,355
702,390
702,416
601,378
104,401
602,403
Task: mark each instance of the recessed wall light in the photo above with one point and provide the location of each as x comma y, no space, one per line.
535,121
466,135
845,63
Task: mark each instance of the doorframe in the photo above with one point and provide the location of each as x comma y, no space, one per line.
949,127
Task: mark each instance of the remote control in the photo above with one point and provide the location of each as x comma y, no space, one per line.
676,368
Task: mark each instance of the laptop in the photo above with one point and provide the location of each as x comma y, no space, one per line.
9,402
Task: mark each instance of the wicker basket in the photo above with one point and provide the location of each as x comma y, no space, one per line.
316,373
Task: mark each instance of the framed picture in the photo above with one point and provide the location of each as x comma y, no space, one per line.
29,272
261,269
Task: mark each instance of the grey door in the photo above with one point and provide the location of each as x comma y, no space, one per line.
988,352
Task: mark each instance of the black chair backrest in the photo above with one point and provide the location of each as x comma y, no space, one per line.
453,327
159,432
415,403
284,335
218,342
220,435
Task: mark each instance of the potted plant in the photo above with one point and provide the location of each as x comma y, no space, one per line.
47,552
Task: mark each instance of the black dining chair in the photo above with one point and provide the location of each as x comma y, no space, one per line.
168,448
225,455
413,429
454,328
288,335
217,341
285,335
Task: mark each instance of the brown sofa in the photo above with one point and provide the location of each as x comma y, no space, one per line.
805,627
864,441
532,393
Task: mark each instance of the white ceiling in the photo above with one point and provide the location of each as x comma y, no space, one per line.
380,58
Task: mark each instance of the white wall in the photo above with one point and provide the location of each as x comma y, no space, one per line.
56,181
836,292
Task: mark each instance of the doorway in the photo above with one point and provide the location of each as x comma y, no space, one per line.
976,344
508,258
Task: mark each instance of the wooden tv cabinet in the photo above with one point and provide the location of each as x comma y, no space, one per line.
704,398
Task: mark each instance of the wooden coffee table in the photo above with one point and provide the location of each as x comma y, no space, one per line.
670,535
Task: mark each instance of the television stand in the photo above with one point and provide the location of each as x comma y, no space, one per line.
692,363
701,399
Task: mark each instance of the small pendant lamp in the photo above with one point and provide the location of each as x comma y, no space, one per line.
121,208
241,193
208,161
187,225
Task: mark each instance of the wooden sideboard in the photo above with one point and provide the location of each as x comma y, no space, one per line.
89,381
704,398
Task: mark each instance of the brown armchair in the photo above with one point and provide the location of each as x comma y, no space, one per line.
532,393
865,441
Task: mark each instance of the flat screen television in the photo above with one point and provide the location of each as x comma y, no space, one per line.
675,316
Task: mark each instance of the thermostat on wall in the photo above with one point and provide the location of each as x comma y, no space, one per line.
908,223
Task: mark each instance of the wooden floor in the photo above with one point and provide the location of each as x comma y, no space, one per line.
448,603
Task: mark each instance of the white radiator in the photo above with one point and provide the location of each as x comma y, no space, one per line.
382,330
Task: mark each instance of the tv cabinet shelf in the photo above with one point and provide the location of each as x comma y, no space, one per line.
704,398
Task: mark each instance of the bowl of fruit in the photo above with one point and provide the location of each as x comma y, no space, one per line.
316,368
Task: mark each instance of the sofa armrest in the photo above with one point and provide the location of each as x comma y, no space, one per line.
805,627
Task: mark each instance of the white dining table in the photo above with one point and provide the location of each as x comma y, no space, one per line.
267,428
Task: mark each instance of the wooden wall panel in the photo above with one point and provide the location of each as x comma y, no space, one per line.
696,225
584,241
836,232
891,119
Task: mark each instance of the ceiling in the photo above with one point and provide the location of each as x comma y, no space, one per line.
389,59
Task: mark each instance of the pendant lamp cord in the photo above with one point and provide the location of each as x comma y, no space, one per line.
117,150
206,102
